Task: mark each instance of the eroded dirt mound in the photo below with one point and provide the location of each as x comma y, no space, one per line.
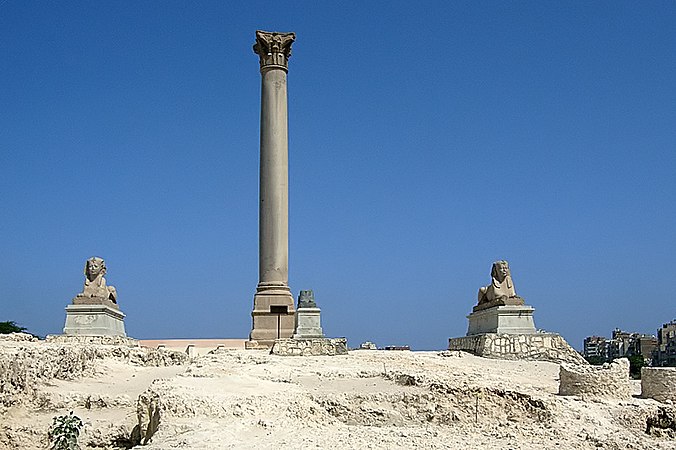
370,399
26,365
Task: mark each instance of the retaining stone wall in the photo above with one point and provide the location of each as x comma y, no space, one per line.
537,347
609,381
659,383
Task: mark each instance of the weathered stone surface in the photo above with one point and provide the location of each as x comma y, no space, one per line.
308,317
662,423
273,48
659,383
310,347
308,324
95,340
95,284
500,291
609,381
535,347
306,299
18,337
503,319
25,366
499,310
273,312
94,311
94,320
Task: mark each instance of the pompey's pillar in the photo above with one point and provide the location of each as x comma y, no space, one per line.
273,312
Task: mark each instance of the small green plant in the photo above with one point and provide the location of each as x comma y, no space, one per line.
64,432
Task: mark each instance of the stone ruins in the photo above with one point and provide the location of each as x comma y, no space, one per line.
273,312
501,326
94,311
659,383
308,338
596,382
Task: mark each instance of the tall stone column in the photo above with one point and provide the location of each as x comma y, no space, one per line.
273,313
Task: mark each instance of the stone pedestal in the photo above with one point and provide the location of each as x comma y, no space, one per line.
273,317
94,320
507,319
308,324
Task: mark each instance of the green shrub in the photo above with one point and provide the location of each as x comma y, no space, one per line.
64,432
10,327
635,364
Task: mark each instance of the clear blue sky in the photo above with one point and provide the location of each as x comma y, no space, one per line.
427,139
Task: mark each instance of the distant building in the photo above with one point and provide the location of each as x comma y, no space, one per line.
619,344
645,346
622,344
665,351
625,344
595,347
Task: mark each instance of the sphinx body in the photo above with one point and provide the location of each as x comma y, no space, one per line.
95,284
501,290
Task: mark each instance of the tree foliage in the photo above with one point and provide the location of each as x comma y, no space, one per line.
635,364
595,360
10,327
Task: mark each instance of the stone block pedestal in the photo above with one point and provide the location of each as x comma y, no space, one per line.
308,323
507,319
273,317
94,320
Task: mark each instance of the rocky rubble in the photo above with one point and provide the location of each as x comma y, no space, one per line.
366,399
26,365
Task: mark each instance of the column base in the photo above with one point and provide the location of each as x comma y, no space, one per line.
273,316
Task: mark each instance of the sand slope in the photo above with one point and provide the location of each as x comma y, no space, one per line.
367,399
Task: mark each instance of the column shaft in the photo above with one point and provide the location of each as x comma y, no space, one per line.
274,181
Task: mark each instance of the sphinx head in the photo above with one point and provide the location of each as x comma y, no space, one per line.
94,267
500,270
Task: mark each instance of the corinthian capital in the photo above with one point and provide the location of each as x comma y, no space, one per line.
274,49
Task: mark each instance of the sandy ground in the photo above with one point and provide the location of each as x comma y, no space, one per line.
367,399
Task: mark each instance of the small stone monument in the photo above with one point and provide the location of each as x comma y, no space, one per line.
94,311
501,326
308,338
307,317
499,309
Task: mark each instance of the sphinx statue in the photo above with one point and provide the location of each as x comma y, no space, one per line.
501,290
95,289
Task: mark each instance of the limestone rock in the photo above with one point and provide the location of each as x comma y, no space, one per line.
310,347
531,347
659,383
18,337
609,381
